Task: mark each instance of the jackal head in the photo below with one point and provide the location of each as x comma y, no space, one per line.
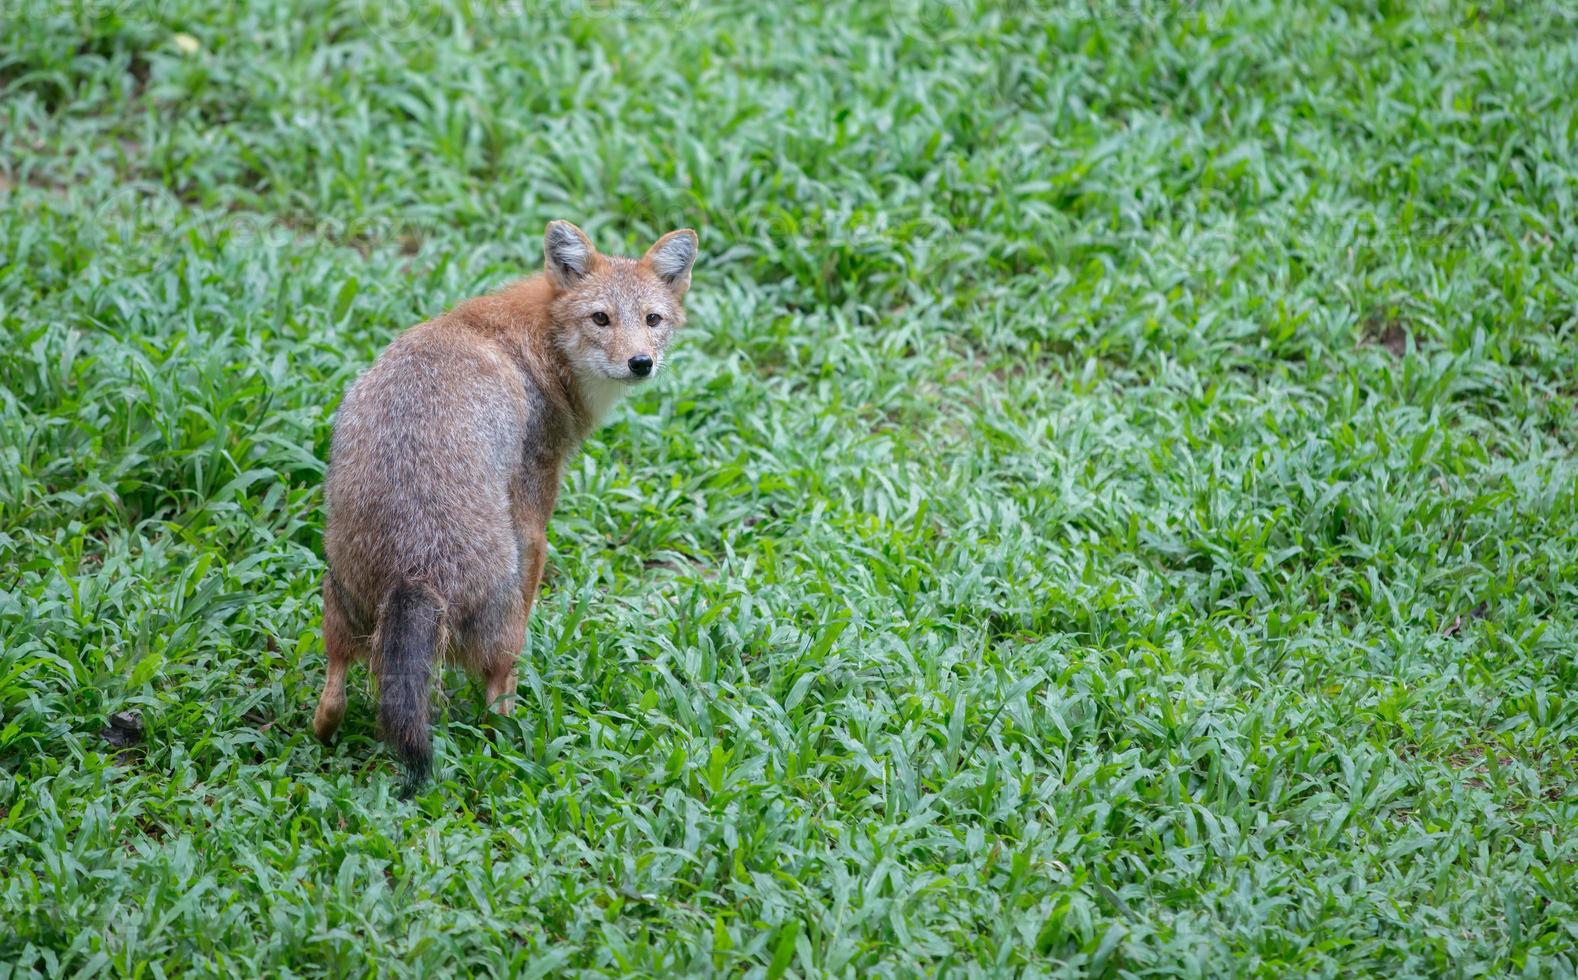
613,316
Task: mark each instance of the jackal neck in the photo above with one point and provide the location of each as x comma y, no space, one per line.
571,405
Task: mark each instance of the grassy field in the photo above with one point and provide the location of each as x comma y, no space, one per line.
1114,511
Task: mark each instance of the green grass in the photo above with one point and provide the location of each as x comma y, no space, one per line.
1114,510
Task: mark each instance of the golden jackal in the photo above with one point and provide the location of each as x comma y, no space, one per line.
446,462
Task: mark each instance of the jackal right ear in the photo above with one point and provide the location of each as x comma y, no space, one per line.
567,253
671,258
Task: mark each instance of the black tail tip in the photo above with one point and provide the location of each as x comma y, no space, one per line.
414,776
415,769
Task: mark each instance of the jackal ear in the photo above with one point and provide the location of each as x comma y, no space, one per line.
567,253
671,257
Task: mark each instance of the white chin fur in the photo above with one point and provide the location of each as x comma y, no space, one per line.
599,393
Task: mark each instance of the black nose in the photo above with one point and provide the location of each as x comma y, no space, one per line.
641,365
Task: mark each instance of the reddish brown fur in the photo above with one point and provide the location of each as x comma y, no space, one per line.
446,464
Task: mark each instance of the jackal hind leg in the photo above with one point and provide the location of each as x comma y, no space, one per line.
342,649
504,658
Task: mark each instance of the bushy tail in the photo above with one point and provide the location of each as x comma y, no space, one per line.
410,638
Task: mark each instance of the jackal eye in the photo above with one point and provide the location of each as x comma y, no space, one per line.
600,318
653,319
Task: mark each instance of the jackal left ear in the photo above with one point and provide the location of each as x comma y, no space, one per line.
567,253
671,258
